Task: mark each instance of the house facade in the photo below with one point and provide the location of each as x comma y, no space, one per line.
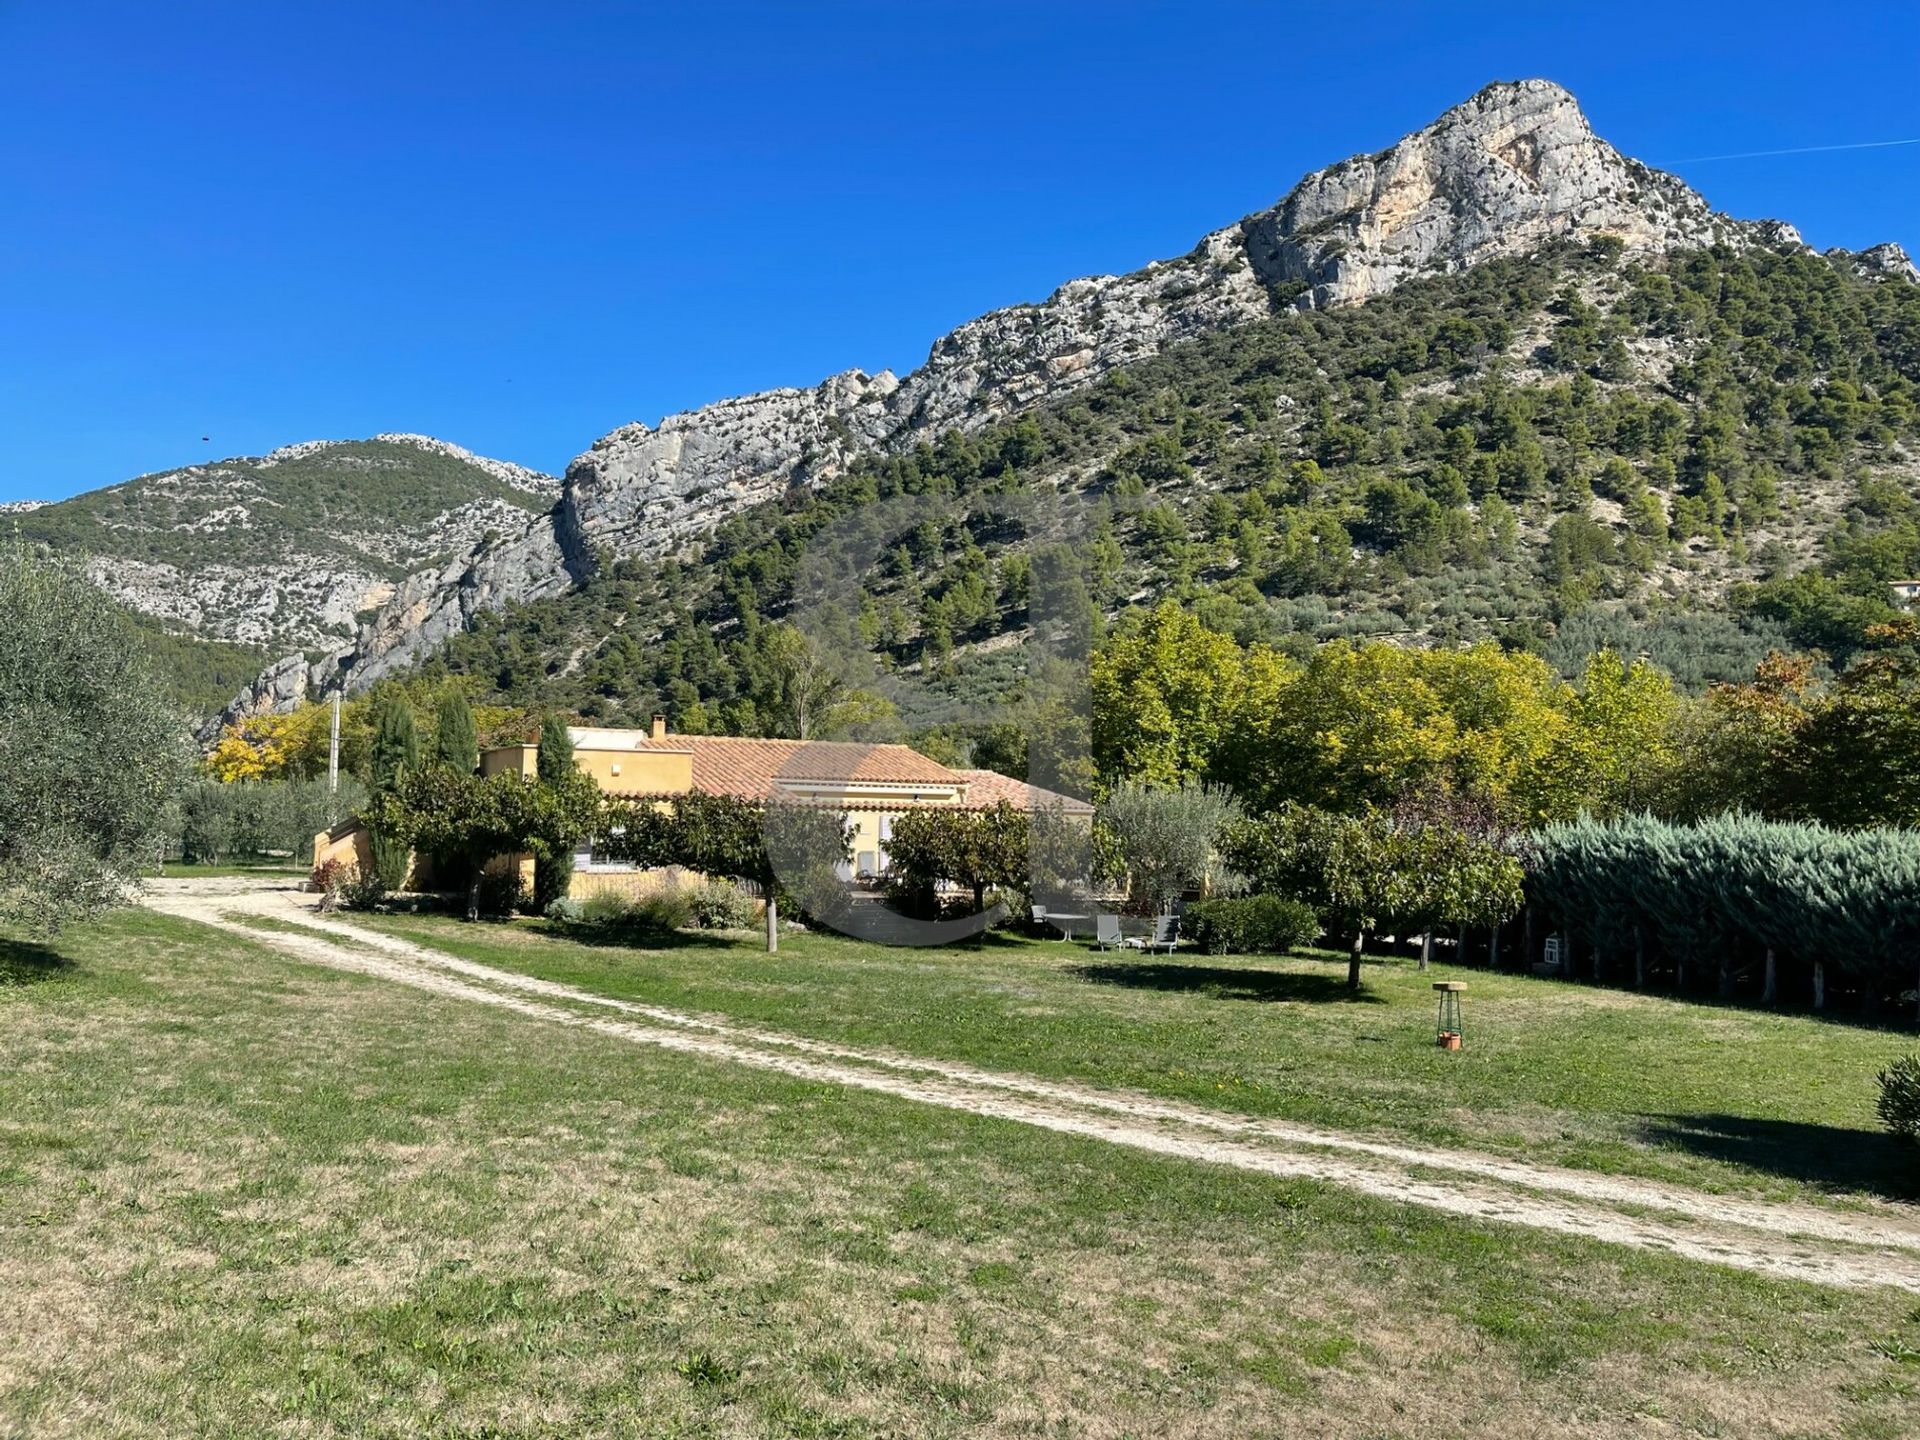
871,785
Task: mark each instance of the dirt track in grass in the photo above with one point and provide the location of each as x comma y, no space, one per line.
1797,1242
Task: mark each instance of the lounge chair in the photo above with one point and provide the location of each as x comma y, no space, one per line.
1106,932
1166,931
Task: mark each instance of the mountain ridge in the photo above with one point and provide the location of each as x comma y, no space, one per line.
287,548
1514,168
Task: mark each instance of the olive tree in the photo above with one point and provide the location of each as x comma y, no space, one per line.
1162,840
94,751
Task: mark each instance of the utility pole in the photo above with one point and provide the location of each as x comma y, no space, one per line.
333,764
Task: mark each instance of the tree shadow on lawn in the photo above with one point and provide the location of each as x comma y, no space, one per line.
26,962
1225,982
1831,1157
636,937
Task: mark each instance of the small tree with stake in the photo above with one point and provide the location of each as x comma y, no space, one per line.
1344,866
726,837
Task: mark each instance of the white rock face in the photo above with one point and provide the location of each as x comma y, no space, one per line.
1515,167
1512,169
643,489
1884,261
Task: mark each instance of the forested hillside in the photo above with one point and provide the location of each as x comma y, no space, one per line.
1698,458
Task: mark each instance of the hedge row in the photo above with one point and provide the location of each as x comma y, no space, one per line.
1723,892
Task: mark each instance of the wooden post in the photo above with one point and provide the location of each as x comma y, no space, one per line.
1770,989
1527,952
1426,949
1726,974
1819,984
1353,960
1639,958
1493,948
773,923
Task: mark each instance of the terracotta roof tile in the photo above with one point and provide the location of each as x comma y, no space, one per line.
753,769
989,787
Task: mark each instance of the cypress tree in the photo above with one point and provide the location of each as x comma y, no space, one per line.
396,750
396,741
553,867
456,743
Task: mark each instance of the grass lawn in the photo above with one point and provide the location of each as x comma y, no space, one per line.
191,870
240,1196
1714,1096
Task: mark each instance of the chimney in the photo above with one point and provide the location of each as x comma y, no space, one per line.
659,728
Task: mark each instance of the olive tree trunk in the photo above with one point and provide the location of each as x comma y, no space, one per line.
1353,959
773,923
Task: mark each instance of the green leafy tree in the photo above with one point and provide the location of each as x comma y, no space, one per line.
463,820
976,848
94,748
1348,868
729,838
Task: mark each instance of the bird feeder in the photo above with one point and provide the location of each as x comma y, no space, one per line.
1448,1030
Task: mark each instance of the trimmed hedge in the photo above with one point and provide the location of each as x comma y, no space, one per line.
1252,924
1729,889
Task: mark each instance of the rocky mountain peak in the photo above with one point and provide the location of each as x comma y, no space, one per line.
1511,169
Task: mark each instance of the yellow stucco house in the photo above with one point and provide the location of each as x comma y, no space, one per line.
870,784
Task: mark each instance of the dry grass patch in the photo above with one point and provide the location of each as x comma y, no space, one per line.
265,1200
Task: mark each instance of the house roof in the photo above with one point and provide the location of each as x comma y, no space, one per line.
989,787
753,769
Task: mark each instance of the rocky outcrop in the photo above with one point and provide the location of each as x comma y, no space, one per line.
1512,169
281,686
1886,261
1515,167
644,489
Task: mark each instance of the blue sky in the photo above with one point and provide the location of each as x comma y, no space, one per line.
519,226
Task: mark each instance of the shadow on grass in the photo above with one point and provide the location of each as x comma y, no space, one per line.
26,962
633,937
1224,982
1828,1156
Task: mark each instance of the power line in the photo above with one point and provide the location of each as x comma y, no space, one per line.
1799,150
